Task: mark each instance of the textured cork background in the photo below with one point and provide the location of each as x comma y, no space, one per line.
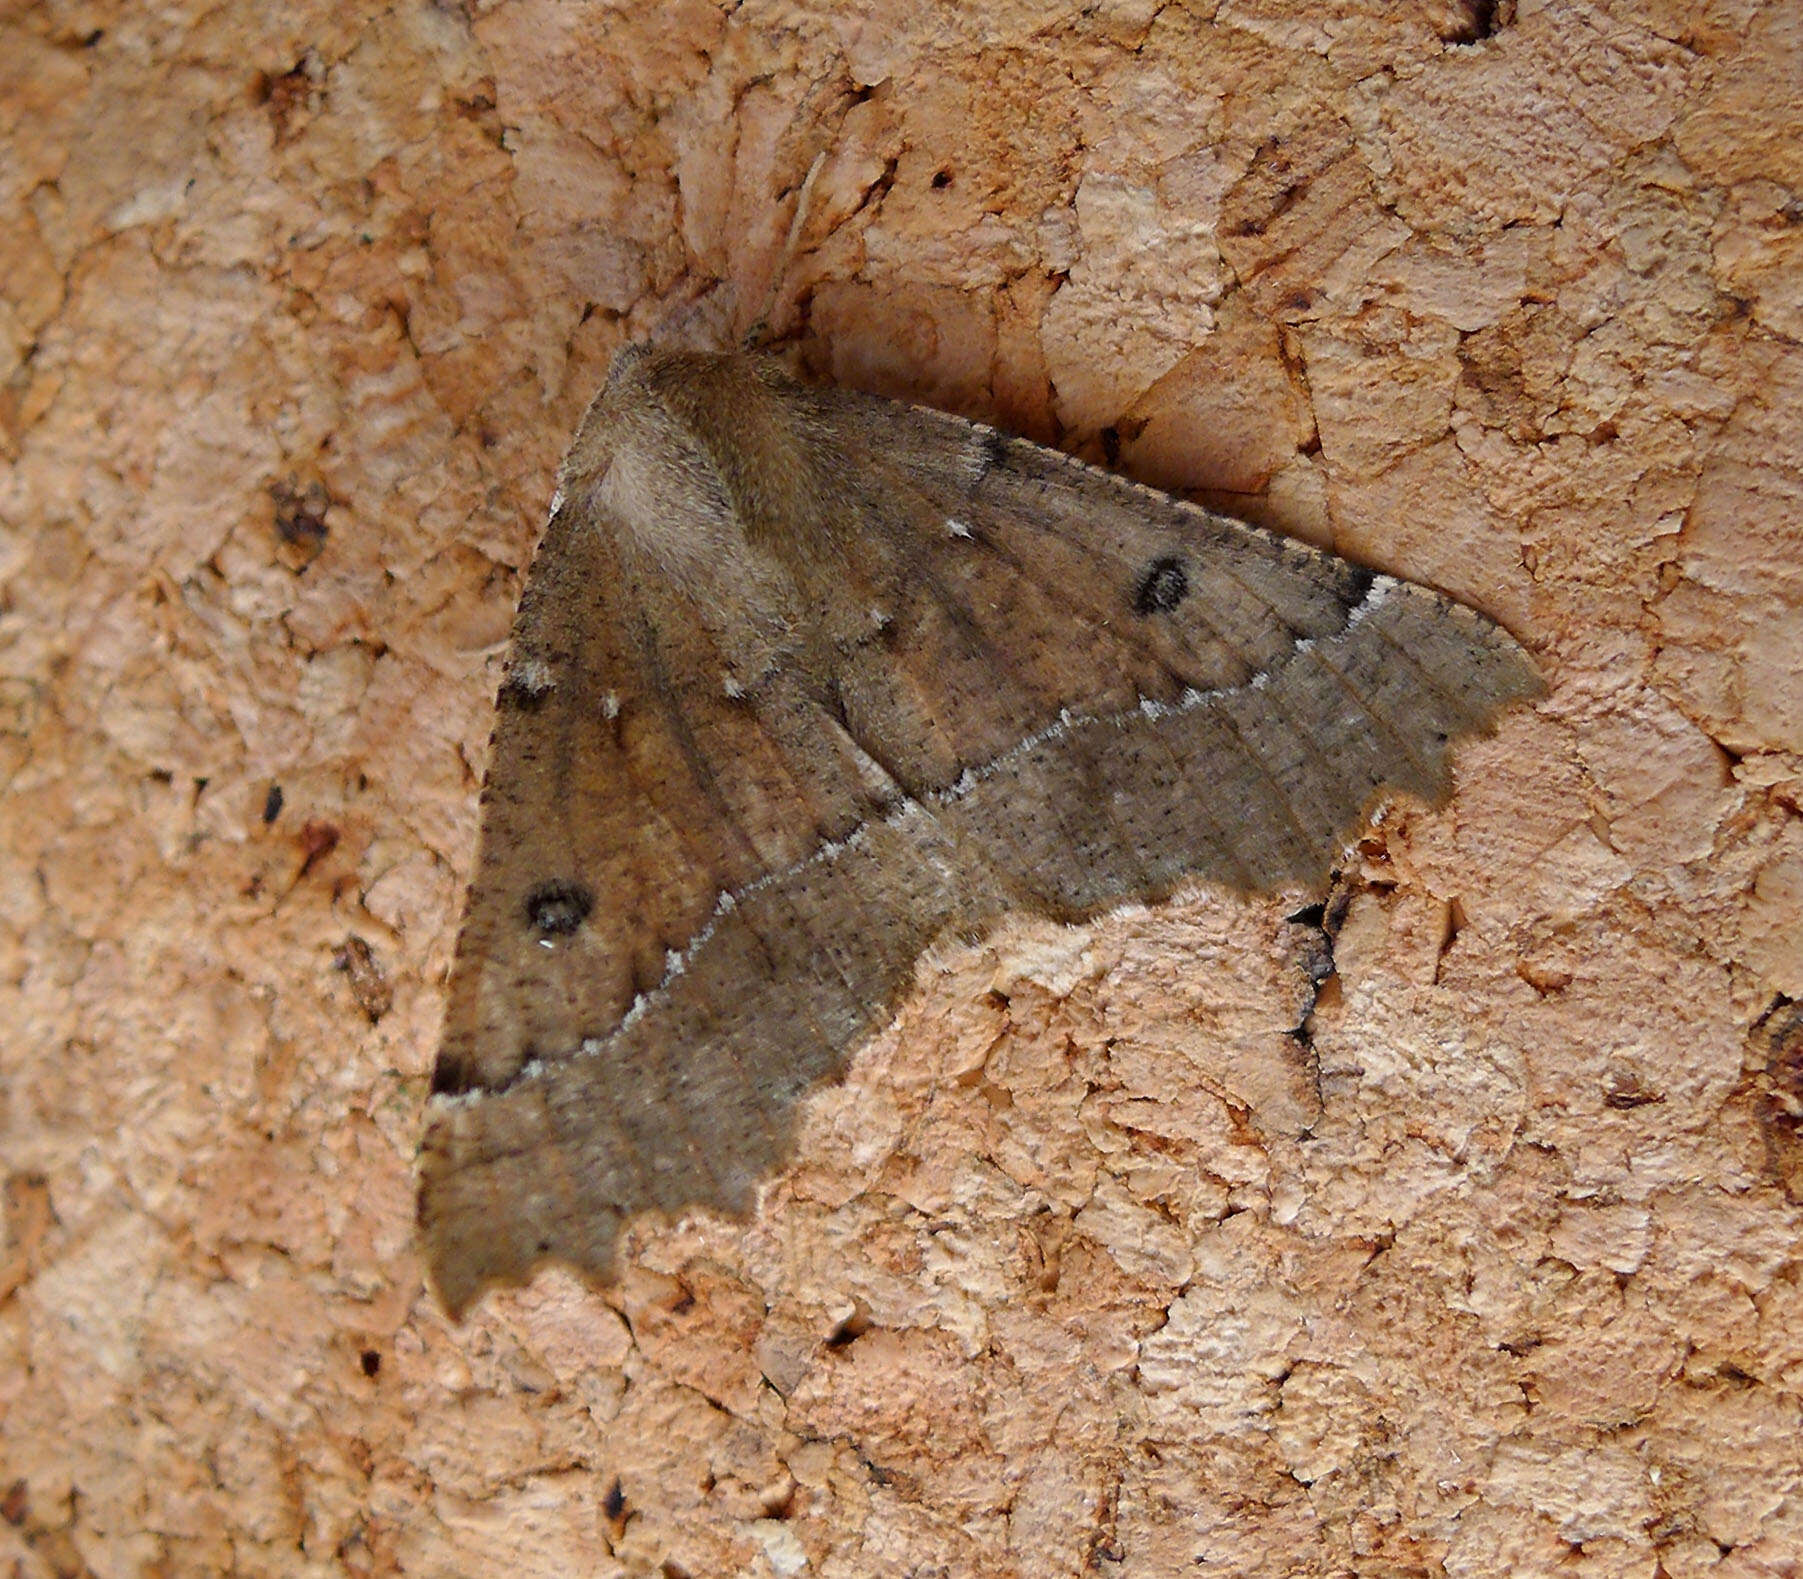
1450,1228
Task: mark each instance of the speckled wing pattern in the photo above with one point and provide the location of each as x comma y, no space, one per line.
803,680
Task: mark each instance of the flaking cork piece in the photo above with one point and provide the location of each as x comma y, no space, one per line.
805,680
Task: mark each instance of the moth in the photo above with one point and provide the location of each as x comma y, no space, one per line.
804,680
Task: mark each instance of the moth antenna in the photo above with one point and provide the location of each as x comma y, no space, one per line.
760,334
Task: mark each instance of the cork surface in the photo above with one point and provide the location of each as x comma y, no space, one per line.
1451,1227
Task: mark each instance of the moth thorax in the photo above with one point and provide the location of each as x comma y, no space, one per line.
666,504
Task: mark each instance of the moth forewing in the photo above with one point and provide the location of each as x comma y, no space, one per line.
803,680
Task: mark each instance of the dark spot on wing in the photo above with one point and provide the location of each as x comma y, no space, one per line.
558,907
991,447
1353,585
1164,585
272,803
524,691
451,1077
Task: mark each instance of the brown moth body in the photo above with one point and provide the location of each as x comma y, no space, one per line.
803,680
